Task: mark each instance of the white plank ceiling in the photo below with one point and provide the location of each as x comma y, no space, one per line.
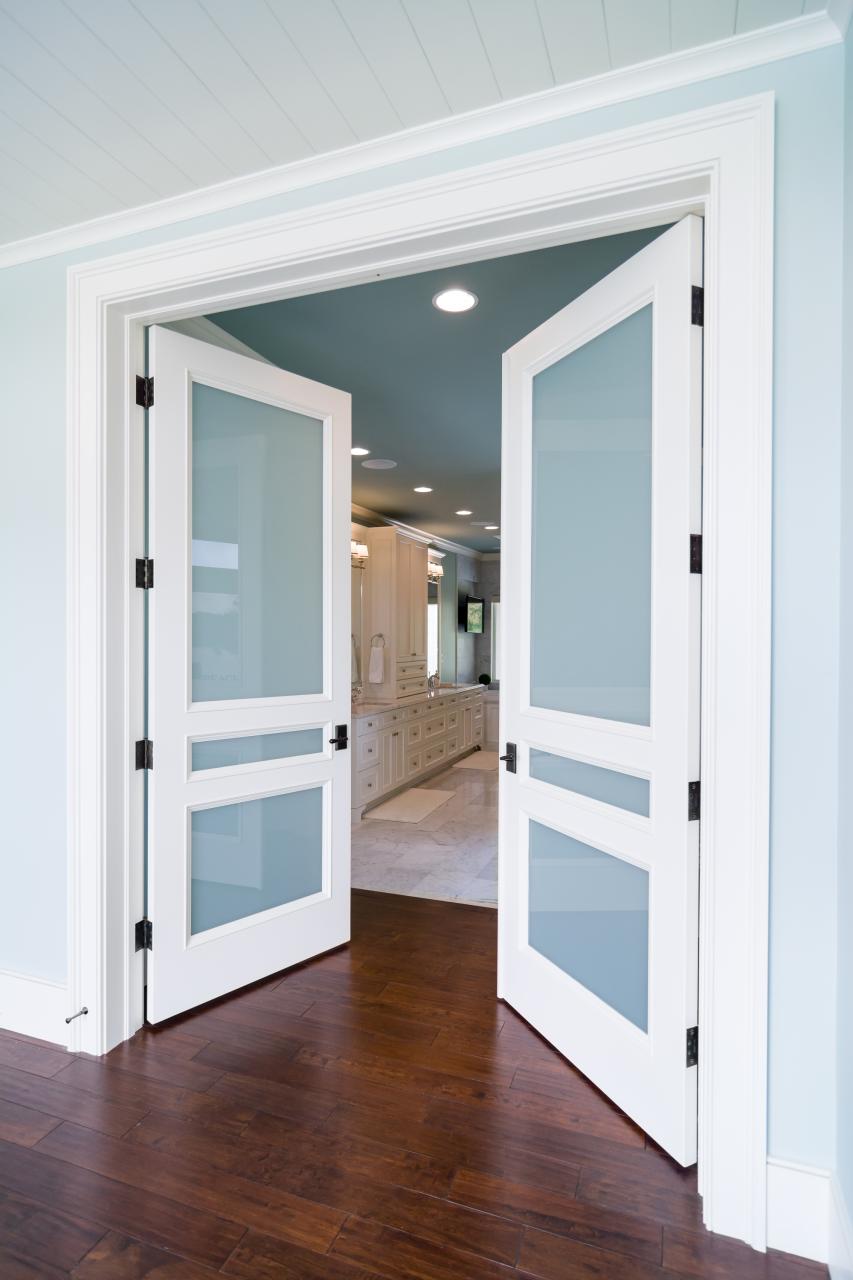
110,104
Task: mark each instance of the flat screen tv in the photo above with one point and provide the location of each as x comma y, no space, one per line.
472,615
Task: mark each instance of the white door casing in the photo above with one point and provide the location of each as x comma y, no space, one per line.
637,1059
187,965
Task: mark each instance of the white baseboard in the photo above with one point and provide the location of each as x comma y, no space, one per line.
33,1007
798,1209
840,1235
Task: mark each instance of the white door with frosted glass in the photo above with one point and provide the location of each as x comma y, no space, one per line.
249,671
600,612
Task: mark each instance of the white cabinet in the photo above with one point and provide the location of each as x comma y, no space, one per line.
395,607
392,758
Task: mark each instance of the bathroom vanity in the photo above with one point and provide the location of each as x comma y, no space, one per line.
401,744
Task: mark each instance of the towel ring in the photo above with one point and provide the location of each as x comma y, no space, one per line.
377,640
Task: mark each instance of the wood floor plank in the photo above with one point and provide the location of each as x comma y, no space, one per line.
397,1254
129,1089
67,1103
560,1214
44,1234
24,1125
556,1258
18,1266
152,1217
187,1183
33,1056
259,1257
116,1257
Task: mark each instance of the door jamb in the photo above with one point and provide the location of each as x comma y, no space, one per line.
718,162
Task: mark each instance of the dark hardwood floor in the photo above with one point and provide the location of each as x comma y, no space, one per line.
376,1113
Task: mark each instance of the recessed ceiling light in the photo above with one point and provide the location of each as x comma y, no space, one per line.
464,513
358,452
422,488
491,526
455,300
379,464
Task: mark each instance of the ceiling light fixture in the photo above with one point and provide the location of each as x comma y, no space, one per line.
422,488
491,526
455,300
464,513
358,452
379,464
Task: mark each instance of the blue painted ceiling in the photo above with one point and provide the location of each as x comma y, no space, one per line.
426,386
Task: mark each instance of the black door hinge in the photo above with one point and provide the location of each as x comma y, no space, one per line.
695,553
144,391
144,935
145,754
692,1046
145,574
341,739
697,305
511,758
694,791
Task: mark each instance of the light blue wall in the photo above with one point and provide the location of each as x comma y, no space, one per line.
806,569
844,1130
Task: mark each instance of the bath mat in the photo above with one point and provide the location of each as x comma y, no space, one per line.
479,760
411,806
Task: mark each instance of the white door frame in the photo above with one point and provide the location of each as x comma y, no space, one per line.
717,162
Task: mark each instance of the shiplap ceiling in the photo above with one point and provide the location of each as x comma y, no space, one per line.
106,105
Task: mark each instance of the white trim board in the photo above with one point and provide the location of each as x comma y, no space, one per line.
717,161
840,1252
788,39
444,544
798,1209
33,1006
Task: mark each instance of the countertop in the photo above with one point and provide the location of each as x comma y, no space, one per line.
367,708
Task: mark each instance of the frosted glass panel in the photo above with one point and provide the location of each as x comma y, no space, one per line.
222,753
257,548
591,527
608,785
256,854
589,915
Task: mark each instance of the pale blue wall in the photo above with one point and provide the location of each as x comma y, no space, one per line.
844,1129
806,569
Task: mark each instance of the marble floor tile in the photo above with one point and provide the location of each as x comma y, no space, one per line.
450,855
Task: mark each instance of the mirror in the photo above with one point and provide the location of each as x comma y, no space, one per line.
356,582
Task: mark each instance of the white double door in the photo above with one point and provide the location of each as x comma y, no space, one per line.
249,677
249,671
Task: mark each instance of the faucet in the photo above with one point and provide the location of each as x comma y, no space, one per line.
433,682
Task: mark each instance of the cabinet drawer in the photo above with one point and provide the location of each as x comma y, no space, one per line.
435,726
405,688
415,712
368,751
453,744
452,719
390,718
367,724
450,701
414,763
435,753
414,733
368,785
478,733
410,667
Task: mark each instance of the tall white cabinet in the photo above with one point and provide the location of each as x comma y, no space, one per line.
395,608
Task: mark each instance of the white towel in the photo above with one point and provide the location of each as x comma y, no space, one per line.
376,671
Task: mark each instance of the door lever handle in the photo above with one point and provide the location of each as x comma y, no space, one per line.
511,758
341,739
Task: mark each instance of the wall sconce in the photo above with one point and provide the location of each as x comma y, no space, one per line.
434,570
359,551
